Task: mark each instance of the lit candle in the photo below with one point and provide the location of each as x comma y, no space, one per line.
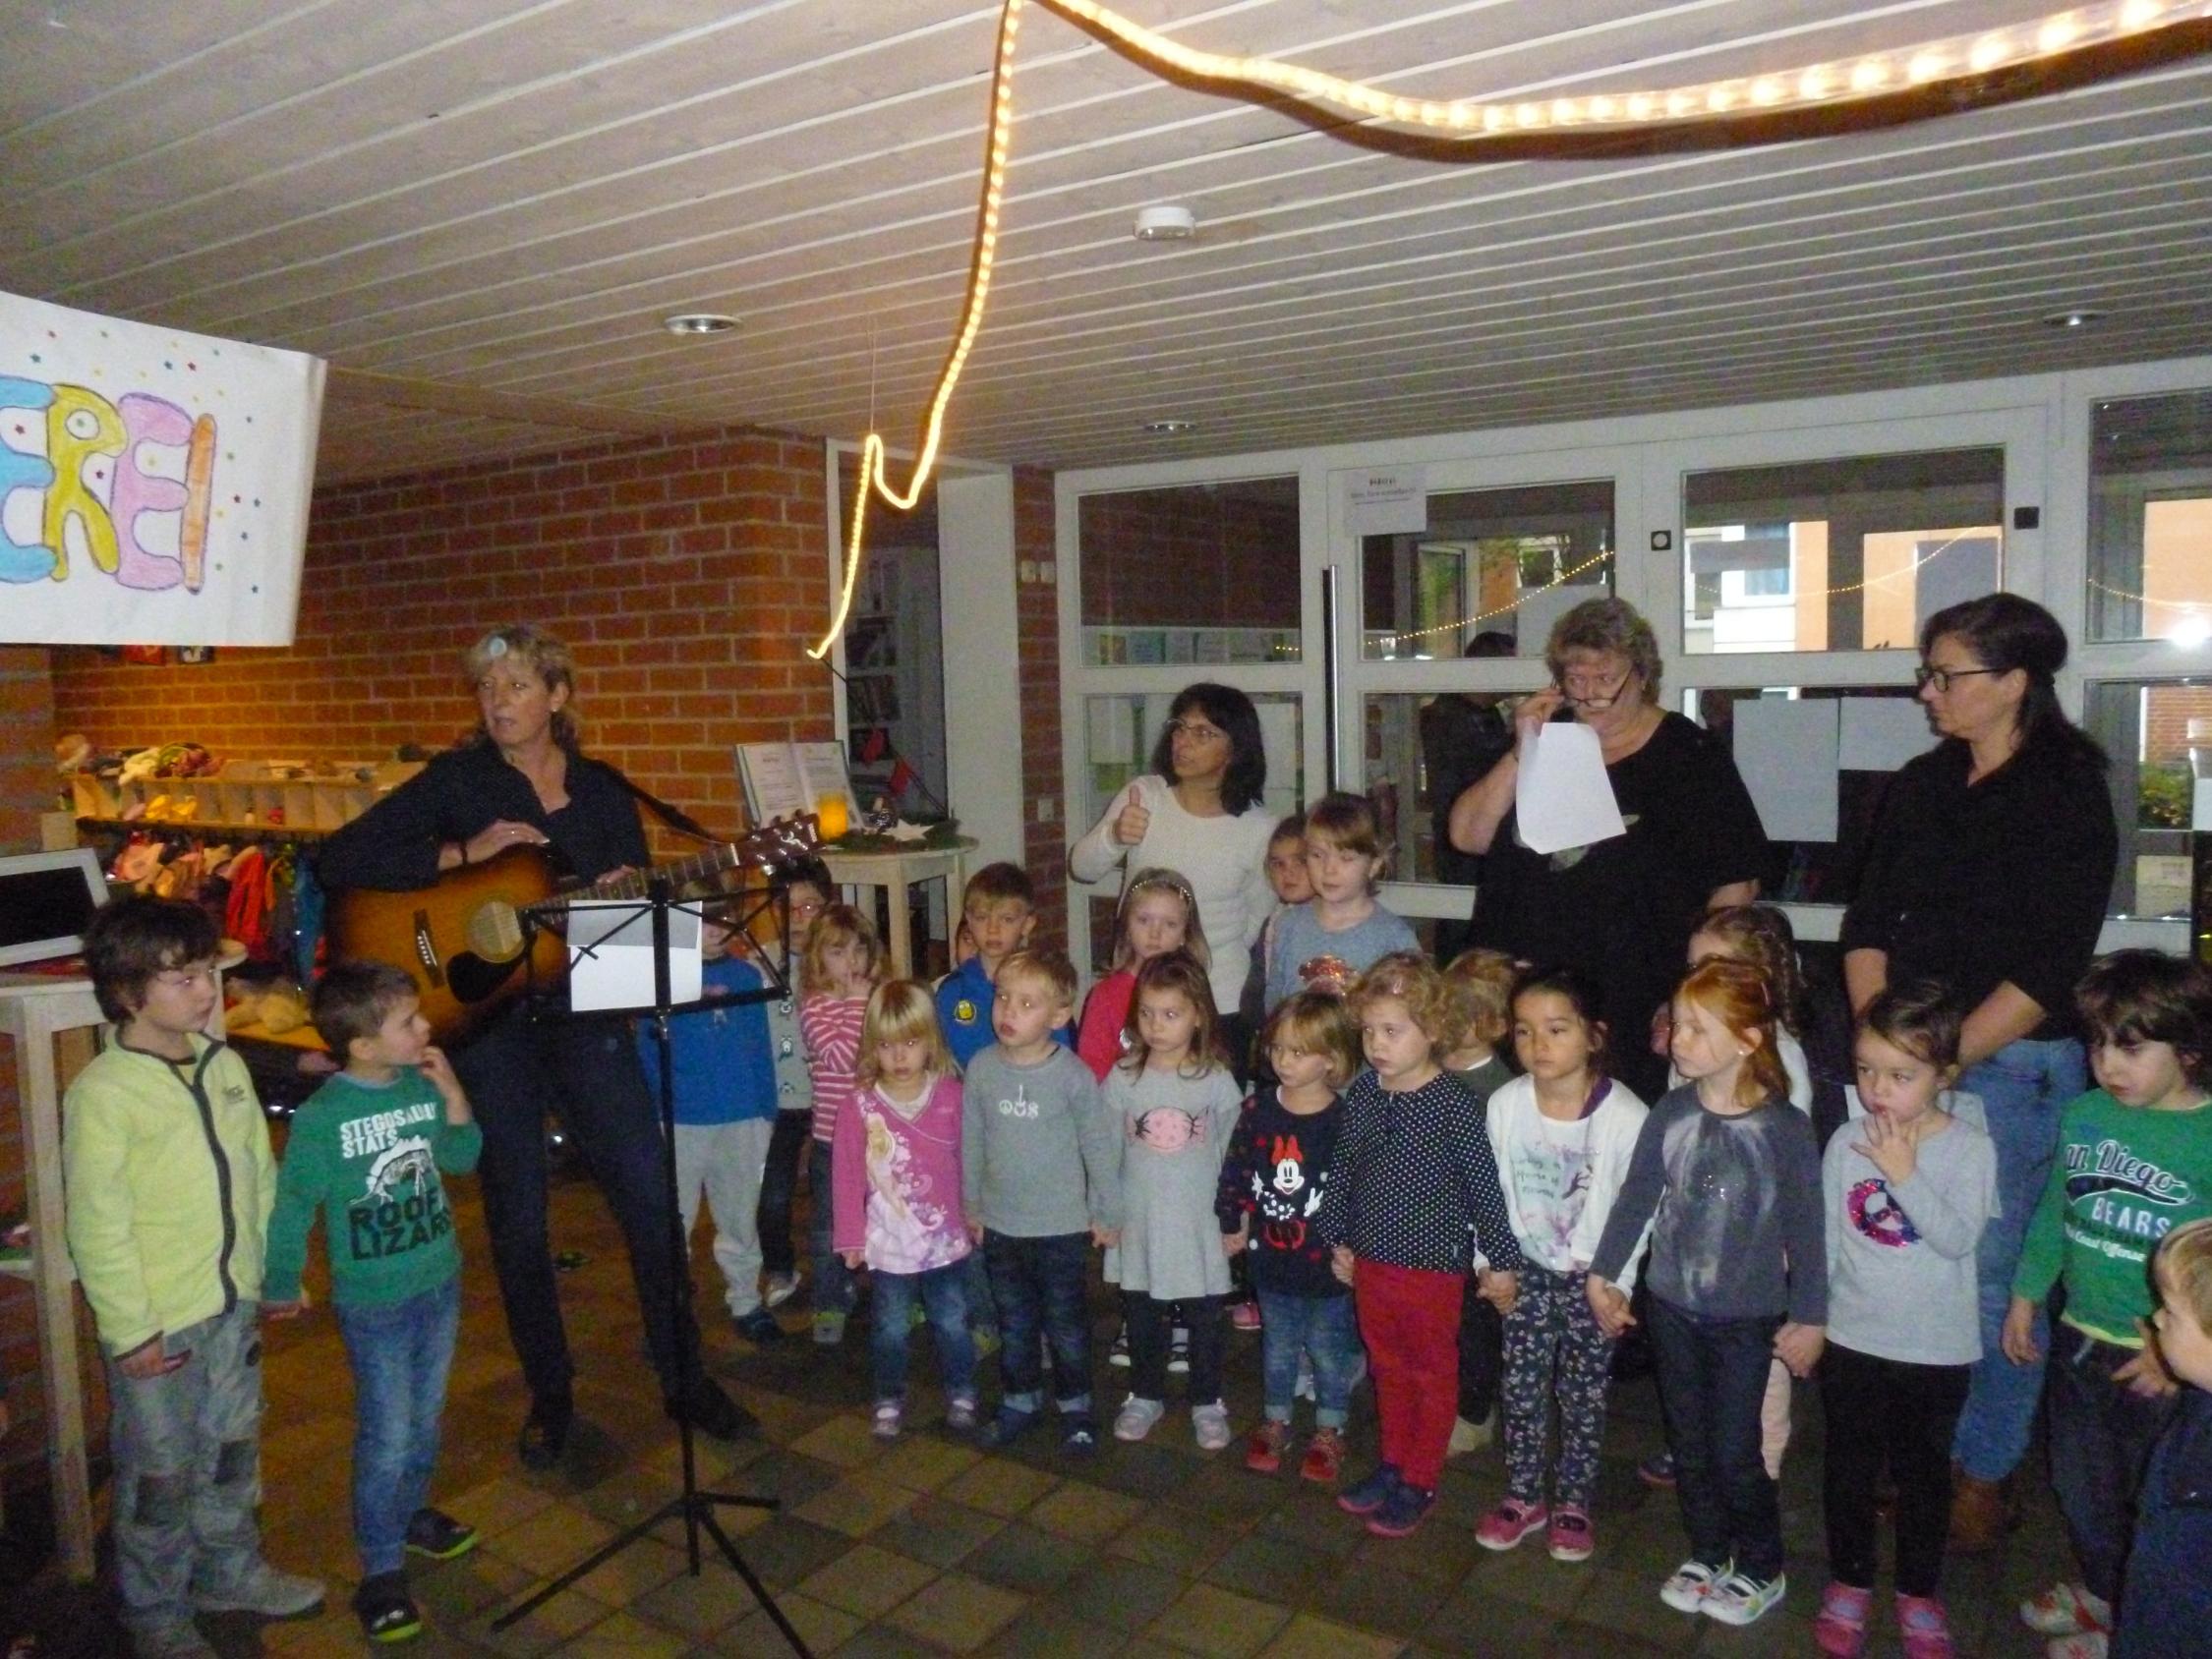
832,818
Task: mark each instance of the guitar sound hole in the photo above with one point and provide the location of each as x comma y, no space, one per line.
493,933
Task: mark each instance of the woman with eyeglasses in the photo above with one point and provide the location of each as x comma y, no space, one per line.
1621,910
1199,812
1990,871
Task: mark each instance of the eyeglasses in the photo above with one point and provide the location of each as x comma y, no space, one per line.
1603,696
1198,731
1941,678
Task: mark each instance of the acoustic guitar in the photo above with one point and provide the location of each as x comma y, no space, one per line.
487,931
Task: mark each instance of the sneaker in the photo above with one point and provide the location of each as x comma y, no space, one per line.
1264,1449
1245,1316
1571,1537
265,1592
1137,1417
1118,1354
1925,1631
1657,1470
1505,1526
2066,1609
890,1416
1079,1437
1324,1462
545,1433
758,1326
2083,1645
1471,1437
1179,1352
434,1535
960,1415
1210,1424
171,1642
1740,1598
1839,1629
829,1327
1688,1585
387,1613
1402,1512
1367,1496
1008,1425
780,1288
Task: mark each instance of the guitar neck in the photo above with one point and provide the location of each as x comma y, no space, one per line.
636,883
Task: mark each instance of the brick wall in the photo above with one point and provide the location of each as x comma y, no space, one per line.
26,788
686,573
1037,644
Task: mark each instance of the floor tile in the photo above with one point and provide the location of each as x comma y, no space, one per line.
820,1627
867,1580
999,1486
1221,1624
1127,1593
1087,1513
626,1636
925,1463
856,1505
938,1531
1309,1638
1027,1560
957,1612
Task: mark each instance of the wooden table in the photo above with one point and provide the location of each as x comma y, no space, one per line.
40,1013
896,871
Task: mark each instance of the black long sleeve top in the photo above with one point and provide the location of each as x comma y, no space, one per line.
2004,881
1411,1174
393,846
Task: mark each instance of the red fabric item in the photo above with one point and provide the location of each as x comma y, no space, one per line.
1105,1013
1408,1318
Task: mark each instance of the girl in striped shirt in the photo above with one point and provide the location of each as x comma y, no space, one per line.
842,965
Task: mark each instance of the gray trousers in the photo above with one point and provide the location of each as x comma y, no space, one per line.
187,1472
724,1160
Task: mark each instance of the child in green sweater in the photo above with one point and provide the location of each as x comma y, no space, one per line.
366,1151
2134,1162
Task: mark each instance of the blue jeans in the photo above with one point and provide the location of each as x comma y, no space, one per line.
401,1354
1322,1327
2023,1088
1042,1289
2101,1434
1713,1377
943,1294
834,1288
187,1472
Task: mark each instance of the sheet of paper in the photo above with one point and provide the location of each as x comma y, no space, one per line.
1882,733
1785,749
822,773
610,955
1387,501
774,788
1278,738
1112,741
1563,797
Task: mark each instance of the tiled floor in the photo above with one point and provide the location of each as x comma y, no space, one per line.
927,1546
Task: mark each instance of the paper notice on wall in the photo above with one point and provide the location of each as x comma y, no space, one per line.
1786,752
1278,738
1112,739
153,484
1387,501
1882,733
1563,797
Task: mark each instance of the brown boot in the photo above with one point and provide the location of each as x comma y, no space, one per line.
1978,1514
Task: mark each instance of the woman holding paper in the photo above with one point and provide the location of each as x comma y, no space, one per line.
1990,871
1198,812
1621,906
522,778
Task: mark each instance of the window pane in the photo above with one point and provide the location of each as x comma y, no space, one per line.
2150,519
1200,573
1825,872
2149,729
1502,562
1422,749
1838,555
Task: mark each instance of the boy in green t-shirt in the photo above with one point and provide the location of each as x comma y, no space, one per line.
366,1151
2134,1162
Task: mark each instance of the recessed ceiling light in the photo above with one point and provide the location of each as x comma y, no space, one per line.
698,323
1170,428
2072,318
1166,223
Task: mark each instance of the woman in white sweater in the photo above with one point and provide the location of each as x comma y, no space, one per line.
1198,812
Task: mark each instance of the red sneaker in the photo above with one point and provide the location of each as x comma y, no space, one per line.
1264,1451
1325,1457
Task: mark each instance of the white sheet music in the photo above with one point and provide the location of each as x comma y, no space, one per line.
1563,797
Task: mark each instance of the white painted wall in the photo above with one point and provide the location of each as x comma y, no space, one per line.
982,700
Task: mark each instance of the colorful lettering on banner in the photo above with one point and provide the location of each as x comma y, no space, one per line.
107,490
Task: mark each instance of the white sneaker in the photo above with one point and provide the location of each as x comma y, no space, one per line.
1688,1585
266,1591
1211,1425
1136,1417
1739,1599
780,1288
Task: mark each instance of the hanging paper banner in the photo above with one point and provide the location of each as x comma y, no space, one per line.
154,485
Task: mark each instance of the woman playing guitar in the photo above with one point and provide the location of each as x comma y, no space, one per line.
522,780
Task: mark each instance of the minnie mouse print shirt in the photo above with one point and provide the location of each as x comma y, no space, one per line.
1277,1170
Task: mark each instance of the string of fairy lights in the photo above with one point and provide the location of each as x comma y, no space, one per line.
1923,67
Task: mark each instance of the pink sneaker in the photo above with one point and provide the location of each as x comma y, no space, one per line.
1841,1628
1922,1629
1511,1521
1571,1537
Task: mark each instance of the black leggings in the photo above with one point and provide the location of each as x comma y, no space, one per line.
1887,1411
1148,1324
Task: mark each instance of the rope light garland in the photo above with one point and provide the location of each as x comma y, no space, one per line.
1485,128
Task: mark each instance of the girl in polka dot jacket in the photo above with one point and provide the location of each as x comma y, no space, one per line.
1411,1174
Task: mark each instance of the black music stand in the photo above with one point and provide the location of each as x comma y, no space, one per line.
695,1505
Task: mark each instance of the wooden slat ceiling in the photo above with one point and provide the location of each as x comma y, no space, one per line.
484,208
